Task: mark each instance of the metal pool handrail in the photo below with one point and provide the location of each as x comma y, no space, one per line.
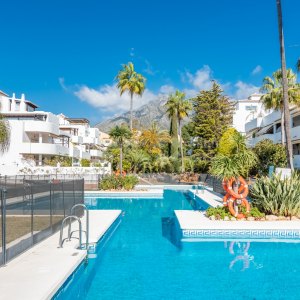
87,222
62,228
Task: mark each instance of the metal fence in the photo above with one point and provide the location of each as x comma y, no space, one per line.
213,182
32,210
91,181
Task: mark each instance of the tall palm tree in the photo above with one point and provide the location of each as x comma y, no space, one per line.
4,135
131,81
179,107
183,109
120,134
172,115
273,99
298,65
152,138
286,109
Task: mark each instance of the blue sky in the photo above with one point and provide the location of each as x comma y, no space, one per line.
65,54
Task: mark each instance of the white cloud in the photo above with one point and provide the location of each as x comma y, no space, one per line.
256,70
202,78
107,98
244,90
167,89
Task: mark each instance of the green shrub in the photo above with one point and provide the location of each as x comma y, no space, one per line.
220,212
113,182
85,162
269,154
277,196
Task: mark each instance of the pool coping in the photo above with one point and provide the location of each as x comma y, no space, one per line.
39,272
195,225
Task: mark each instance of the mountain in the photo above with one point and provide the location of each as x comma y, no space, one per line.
143,117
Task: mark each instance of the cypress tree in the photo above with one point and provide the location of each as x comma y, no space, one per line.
211,118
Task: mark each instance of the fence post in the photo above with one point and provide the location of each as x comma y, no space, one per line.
63,197
50,204
3,221
82,190
31,202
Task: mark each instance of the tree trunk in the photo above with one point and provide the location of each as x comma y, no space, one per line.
181,148
131,108
121,159
286,109
282,129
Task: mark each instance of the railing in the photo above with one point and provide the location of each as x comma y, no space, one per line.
61,241
87,230
33,210
91,181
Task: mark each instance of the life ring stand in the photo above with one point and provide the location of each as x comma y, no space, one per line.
237,215
243,189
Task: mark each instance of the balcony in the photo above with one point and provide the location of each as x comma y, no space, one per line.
44,148
96,153
85,155
251,125
41,126
75,139
89,140
295,133
73,152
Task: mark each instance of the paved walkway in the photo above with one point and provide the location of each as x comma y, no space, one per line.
39,272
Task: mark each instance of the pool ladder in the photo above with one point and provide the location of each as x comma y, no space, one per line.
73,217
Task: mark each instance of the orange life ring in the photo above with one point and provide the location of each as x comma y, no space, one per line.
227,196
117,173
234,213
242,191
226,199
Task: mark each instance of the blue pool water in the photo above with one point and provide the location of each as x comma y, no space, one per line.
143,258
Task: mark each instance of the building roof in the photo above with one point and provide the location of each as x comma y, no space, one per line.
2,93
78,120
31,104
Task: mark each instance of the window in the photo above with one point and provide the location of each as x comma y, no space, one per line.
296,121
251,107
296,149
17,106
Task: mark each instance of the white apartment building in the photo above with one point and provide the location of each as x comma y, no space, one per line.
37,135
267,125
246,110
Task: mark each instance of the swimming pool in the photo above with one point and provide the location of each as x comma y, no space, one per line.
145,259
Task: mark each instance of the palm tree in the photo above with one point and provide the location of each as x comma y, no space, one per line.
273,99
298,65
183,109
4,135
151,139
131,81
138,158
120,134
172,115
286,109
179,107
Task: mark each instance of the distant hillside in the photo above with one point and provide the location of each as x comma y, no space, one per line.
143,117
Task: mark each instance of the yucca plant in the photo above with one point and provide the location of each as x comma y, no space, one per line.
277,196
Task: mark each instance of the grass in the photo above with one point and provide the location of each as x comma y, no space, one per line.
18,226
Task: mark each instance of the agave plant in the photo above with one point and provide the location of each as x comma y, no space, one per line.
277,196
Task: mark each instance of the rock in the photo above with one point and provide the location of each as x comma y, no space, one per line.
294,218
271,218
232,219
282,218
250,219
242,219
213,218
226,218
